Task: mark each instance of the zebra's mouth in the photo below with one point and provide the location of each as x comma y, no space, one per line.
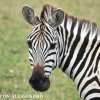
39,82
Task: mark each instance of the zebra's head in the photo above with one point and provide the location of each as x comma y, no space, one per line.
43,44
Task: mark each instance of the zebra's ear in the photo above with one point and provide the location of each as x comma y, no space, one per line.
29,16
57,17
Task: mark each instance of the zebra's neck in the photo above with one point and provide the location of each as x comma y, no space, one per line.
78,36
81,54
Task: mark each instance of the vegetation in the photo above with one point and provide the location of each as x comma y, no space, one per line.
14,65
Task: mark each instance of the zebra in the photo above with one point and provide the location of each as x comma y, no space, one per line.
61,40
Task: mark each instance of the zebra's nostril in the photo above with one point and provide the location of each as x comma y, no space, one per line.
39,82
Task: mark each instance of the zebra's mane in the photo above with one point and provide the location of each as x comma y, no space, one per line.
48,9
47,15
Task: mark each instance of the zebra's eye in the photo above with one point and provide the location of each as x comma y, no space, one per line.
52,45
29,42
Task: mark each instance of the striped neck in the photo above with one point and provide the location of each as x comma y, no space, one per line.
78,38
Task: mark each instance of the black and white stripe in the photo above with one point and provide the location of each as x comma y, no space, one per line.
73,46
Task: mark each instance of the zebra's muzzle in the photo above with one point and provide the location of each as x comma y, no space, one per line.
39,82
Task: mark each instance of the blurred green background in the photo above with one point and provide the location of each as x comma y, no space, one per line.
14,65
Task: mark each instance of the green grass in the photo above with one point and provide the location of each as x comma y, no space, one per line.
14,65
